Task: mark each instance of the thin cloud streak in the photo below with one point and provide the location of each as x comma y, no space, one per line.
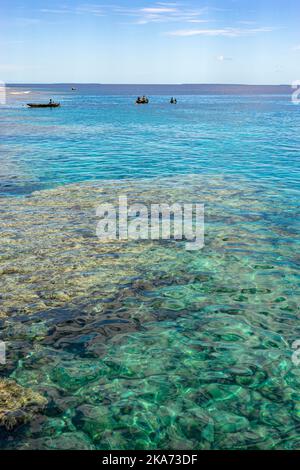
160,12
78,10
226,32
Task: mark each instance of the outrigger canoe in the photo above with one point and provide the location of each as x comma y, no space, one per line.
41,105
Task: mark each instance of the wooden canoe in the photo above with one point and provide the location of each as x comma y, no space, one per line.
41,105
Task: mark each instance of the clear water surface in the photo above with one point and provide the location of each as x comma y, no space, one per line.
145,345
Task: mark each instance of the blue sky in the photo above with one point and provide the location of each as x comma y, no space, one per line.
143,41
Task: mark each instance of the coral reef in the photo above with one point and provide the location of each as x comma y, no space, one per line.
17,404
143,344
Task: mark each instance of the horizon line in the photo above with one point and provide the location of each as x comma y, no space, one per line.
149,84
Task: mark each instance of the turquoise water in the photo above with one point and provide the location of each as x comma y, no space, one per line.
95,136
143,345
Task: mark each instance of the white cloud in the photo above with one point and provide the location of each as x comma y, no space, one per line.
222,58
248,23
196,21
158,10
162,12
226,32
296,48
95,10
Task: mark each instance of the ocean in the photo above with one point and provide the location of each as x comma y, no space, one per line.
98,134
142,344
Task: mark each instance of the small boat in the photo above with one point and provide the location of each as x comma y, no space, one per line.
173,101
43,105
142,100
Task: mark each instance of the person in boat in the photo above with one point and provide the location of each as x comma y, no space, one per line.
142,100
50,101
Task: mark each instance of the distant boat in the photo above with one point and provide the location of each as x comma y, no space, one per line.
43,105
142,100
74,89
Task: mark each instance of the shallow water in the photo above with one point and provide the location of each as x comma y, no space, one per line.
144,344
